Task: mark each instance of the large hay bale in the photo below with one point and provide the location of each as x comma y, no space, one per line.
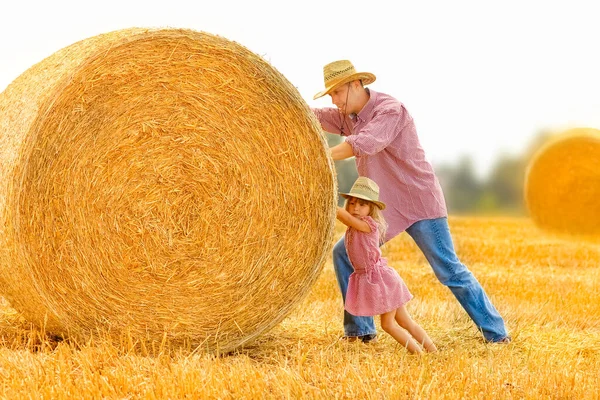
160,183
562,183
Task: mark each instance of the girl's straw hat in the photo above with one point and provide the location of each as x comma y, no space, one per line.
364,188
339,72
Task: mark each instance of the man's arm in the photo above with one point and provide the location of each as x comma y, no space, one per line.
331,120
341,151
380,132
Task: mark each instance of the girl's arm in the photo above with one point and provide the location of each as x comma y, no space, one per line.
349,220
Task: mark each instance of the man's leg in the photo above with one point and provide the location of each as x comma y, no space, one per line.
353,325
433,238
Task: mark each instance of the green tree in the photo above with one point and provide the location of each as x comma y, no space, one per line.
505,184
461,187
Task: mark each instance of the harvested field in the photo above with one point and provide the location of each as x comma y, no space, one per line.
545,286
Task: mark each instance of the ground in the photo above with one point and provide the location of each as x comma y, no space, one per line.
545,286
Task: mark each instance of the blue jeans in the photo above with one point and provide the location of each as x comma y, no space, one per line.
433,238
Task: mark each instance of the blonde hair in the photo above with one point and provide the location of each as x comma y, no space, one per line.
375,213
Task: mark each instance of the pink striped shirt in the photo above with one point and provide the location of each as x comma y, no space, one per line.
387,150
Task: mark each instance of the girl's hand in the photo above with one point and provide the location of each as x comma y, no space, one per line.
350,220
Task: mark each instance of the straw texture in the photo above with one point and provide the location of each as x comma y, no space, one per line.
562,184
164,184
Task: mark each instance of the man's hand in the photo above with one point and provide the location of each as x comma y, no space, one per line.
341,151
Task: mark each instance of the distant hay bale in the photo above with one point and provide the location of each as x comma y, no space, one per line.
562,184
161,183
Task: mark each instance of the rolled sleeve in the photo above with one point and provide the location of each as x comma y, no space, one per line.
331,121
377,134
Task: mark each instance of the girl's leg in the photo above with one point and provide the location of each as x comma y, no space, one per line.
389,325
405,321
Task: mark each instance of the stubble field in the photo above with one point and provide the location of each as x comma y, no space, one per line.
546,287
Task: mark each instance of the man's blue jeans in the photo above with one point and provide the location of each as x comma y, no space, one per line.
433,238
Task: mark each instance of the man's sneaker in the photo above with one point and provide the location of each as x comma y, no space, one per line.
504,340
370,338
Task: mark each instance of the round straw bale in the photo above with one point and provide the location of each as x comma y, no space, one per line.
562,183
163,183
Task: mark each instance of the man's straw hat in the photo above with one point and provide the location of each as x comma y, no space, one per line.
364,188
339,72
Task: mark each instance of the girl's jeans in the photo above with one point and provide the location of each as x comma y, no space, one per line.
433,238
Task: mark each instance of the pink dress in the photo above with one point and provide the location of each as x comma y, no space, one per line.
373,288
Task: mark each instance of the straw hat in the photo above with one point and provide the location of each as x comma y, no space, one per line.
364,188
339,72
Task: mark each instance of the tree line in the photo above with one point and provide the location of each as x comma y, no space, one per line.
500,192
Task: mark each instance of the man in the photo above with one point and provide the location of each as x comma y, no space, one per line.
381,134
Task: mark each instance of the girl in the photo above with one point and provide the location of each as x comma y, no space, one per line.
374,288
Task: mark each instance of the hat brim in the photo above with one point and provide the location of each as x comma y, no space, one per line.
360,196
366,77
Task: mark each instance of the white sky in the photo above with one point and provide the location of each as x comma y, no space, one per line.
480,78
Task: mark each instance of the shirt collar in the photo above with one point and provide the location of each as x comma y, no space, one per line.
367,111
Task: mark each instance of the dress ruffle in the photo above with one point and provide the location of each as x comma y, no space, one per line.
374,288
